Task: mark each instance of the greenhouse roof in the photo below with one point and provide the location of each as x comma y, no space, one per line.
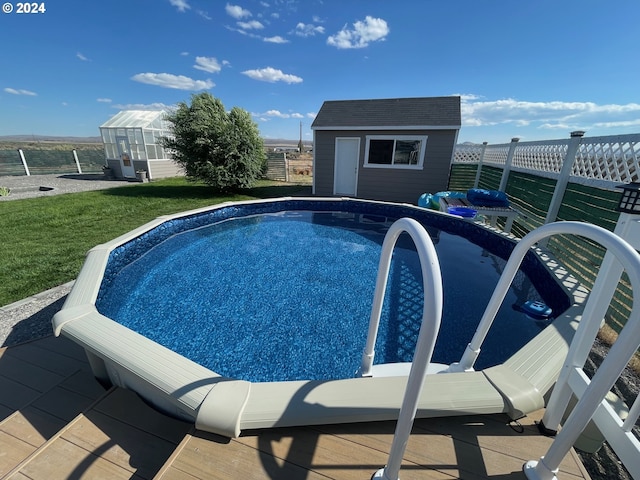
136,119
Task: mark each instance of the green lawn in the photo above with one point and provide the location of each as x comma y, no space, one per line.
45,240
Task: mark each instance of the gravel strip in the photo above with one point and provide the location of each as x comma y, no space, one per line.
49,185
30,319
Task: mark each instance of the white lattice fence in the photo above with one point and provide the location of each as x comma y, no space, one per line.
546,156
614,159
468,153
496,154
599,161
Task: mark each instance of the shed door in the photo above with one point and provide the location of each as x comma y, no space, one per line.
124,153
345,172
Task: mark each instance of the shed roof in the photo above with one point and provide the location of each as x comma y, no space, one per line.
135,119
389,113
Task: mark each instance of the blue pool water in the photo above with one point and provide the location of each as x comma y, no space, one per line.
287,296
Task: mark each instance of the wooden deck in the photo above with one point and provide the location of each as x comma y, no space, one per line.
57,422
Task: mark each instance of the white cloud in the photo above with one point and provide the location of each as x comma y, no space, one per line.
251,25
237,11
308,30
552,115
203,14
207,64
276,39
276,114
272,75
20,91
181,5
363,32
168,80
103,100
618,124
82,57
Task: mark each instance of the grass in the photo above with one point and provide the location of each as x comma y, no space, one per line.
45,240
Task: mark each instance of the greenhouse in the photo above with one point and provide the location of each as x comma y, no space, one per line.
132,145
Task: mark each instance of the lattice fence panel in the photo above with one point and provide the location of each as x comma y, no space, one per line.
612,158
545,156
467,153
496,154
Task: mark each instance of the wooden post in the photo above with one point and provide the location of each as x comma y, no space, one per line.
507,165
479,171
563,180
24,162
75,158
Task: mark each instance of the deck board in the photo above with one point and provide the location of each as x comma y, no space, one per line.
12,452
119,436
78,463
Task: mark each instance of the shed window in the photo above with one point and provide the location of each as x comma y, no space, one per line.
402,151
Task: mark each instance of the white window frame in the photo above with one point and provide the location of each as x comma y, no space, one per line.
423,147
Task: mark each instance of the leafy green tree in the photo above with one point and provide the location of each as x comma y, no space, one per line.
222,149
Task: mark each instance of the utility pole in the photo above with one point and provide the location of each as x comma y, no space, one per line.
300,146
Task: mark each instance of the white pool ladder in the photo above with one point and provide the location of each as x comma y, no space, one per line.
431,316
572,380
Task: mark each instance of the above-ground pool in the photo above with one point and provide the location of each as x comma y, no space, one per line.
288,296
230,315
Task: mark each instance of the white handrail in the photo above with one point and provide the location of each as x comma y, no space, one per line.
591,393
431,316
598,234
431,279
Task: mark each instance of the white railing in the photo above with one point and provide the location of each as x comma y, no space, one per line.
431,316
592,403
599,161
591,394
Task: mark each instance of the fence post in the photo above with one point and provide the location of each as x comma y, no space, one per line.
563,179
286,167
24,162
75,157
479,171
507,165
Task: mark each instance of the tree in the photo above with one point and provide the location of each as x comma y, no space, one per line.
222,149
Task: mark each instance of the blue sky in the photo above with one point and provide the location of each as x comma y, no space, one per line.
528,69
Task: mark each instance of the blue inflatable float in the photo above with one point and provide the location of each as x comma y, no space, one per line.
464,212
487,198
435,200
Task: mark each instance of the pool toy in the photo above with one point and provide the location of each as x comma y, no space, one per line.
464,212
537,310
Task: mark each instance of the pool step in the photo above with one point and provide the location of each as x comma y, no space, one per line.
43,385
118,436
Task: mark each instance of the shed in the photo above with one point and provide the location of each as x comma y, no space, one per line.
131,141
385,149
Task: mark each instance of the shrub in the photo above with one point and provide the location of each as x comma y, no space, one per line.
222,149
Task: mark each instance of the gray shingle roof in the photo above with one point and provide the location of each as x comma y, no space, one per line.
389,112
